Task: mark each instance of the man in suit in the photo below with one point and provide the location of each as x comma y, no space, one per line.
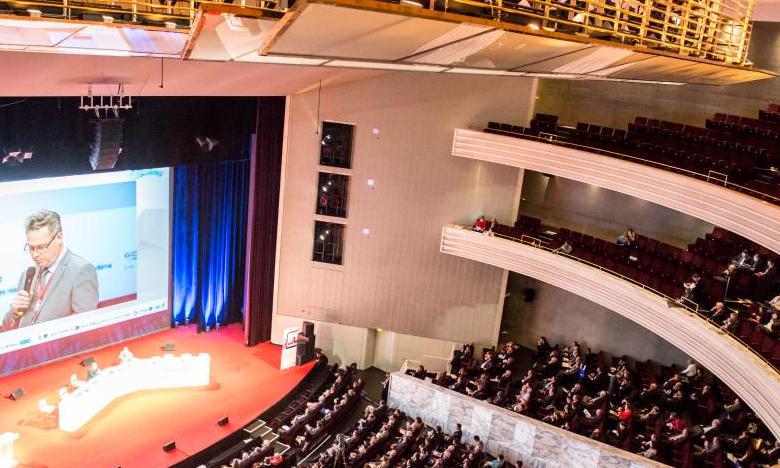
64,283
93,370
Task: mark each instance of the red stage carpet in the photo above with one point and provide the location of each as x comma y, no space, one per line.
131,431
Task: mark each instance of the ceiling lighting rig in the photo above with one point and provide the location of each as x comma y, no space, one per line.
106,103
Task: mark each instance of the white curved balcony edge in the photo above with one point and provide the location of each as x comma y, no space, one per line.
756,383
745,215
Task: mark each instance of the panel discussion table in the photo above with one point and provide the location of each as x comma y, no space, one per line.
159,372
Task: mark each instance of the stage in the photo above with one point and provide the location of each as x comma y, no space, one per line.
132,430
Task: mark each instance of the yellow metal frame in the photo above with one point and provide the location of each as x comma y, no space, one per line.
182,12
714,29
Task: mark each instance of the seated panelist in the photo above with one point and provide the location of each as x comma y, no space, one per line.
93,371
125,355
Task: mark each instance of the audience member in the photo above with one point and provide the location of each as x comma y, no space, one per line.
565,248
481,224
627,238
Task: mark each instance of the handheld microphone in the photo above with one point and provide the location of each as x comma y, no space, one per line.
28,284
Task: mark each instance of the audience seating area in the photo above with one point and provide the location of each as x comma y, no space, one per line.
684,417
387,438
324,410
721,289
330,397
740,153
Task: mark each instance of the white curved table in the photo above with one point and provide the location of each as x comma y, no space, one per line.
159,372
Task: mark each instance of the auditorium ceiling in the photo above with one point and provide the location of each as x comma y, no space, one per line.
329,40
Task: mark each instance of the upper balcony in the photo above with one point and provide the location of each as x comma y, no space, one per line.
752,378
746,215
685,41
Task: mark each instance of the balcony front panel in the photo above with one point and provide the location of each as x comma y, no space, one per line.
756,383
747,216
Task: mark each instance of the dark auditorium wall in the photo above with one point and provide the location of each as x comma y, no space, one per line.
564,317
615,104
604,213
157,132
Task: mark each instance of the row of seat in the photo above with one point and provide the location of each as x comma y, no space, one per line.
665,268
729,153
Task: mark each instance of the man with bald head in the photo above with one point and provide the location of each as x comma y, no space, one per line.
63,284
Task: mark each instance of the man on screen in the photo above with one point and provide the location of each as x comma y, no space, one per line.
63,283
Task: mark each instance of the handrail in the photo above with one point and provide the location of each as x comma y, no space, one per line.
710,176
692,311
694,306
592,149
534,241
184,10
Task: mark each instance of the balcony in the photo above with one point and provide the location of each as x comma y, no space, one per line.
754,380
742,214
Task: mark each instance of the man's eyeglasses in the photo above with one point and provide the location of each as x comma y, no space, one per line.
40,248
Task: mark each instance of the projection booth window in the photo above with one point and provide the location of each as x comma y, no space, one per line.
332,194
336,145
328,242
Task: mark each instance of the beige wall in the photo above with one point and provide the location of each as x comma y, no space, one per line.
395,278
564,317
605,213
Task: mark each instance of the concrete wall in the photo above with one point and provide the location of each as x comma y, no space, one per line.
604,213
616,104
564,317
395,278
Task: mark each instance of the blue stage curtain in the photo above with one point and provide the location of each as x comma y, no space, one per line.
210,205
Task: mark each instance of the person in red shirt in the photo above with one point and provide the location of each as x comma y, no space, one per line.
481,224
625,413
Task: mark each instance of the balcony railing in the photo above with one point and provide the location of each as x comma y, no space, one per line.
713,177
748,374
690,306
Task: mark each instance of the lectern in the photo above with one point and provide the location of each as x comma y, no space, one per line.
7,449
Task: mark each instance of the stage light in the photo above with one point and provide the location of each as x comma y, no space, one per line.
206,144
108,19
534,26
175,324
16,158
170,25
207,329
35,13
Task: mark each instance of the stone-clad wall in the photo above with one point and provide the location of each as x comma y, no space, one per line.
517,437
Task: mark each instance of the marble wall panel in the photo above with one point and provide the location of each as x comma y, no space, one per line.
518,437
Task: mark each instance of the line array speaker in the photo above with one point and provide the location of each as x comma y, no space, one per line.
106,143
